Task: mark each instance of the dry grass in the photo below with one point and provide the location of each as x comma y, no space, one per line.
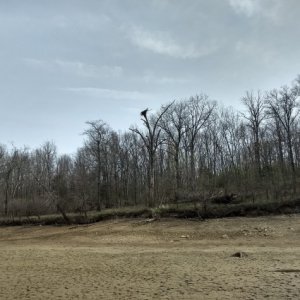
183,210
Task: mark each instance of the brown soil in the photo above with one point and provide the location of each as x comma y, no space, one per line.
166,259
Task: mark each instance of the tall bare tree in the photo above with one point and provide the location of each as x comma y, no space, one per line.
151,139
199,113
97,135
255,115
173,124
283,105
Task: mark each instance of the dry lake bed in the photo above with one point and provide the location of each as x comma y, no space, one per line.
235,258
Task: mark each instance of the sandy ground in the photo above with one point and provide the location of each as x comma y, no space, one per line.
166,259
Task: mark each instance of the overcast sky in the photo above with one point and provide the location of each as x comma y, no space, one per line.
65,62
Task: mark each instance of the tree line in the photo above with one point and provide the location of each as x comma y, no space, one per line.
189,149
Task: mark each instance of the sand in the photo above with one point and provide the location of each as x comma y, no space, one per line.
166,259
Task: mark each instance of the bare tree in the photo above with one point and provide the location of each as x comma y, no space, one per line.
152,140
10,165
97,135
173,124
43,171
199,114
63,180
82,181
255,115
283,106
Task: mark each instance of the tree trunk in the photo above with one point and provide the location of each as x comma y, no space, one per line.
291,159
193,171
66,218
98,177
151,181
178,177
257,153
6,201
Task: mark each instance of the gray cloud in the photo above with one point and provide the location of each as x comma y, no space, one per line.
74,67
110,94
251,8
162,43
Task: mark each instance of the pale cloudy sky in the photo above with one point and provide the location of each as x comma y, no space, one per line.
64,62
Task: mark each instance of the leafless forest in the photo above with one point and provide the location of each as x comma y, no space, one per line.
189,149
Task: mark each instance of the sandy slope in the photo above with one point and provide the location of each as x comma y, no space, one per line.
167,259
